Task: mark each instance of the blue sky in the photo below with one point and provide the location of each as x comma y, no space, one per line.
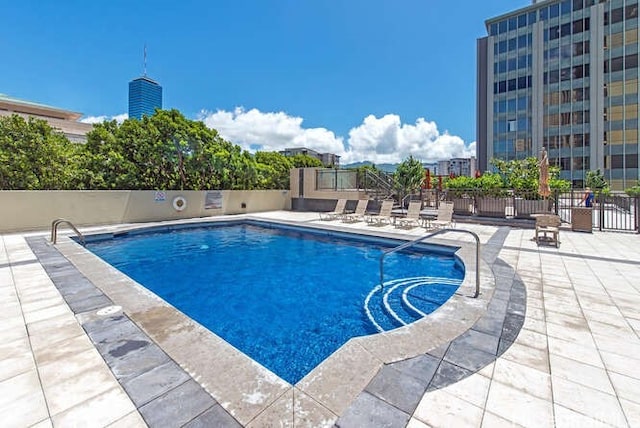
375,80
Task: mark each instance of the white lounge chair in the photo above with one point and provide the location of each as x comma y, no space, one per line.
444,218
358,214
384,216
337,212
412,219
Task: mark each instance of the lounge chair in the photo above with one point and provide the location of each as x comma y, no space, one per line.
337,212
413,216
358,214
444,218
384,216
548,223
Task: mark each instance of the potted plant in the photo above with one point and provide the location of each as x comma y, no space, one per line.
460,191
493,196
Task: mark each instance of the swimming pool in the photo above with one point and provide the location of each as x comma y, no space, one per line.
287,297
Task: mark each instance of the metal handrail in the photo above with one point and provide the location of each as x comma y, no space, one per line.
422,238
54,230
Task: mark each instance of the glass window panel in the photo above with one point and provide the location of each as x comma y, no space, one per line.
512,64
617,15
544,14
631,11
513,24
532,18
502,66
522,21
512,44
522,82
554,32
631,61
522,103
631,86
578,26
511,86
493,30
631,36
565,7
554,11
565,29
522,61
578,4
511,105
502,27
522,41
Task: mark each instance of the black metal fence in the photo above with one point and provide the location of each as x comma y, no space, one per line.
615,211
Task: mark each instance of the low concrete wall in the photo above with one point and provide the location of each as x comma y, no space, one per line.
30,210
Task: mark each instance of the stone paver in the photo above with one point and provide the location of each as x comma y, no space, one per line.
559,346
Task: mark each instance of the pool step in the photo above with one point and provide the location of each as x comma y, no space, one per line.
403,301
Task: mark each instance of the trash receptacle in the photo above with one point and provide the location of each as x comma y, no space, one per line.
582,219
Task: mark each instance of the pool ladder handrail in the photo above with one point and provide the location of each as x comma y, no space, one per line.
430,235
54,230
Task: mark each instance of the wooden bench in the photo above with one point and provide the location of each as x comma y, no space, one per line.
548,224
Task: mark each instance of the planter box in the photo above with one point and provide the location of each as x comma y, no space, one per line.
493,207
582,219
463,206
526,207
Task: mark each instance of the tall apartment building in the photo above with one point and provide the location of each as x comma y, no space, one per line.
145,95
458,167
562,74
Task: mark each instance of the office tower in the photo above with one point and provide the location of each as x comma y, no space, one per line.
145,95
562,74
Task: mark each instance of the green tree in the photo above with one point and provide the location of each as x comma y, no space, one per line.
273,170
595,180
33,156
305,161
408,177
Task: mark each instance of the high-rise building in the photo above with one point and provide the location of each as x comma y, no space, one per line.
562,74
145,95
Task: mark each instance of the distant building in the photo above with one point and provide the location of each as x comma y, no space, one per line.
145,95
432,167
64,121
458,167
327,159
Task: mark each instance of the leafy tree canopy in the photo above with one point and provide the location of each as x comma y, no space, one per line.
164,151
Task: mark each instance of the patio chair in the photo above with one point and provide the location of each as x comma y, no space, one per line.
384,216
413,216
548,223
444,218
337,212
358,214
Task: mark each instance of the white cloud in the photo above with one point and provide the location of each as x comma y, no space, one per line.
270,131
388,140
99,119
380,140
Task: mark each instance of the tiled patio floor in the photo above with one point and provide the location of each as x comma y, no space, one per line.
574,363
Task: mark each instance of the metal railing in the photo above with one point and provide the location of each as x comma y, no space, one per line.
422,238
54,230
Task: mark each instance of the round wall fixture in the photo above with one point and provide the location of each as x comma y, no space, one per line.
179,203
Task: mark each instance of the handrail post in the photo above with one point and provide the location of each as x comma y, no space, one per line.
54,230
422,238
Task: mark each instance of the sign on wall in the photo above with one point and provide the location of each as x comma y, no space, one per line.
213,200
160,196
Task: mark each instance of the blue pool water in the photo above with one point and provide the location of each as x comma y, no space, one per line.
286,297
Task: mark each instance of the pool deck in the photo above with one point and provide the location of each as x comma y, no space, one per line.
564,351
